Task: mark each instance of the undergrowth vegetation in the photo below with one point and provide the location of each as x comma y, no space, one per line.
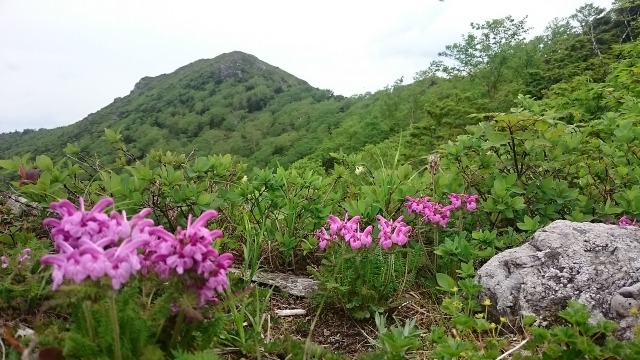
154,258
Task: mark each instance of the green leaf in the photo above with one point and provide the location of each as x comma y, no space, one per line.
8,164
578,216
517,203
446,282
529,224
500,187
511,179
204,199
609,209
44,163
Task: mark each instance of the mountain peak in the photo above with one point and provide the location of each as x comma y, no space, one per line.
232,66
233,103
238,56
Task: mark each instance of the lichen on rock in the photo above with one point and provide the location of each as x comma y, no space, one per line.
587,262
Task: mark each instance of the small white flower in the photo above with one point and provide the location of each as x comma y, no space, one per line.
359,170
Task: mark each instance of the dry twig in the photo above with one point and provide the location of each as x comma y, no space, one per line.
504,356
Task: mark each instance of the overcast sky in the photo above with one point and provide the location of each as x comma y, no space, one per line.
62,60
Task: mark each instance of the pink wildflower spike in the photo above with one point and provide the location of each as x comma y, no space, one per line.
92,244
189,253
436,213
395,232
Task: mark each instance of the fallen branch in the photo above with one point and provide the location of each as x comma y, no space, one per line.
292,312
503,356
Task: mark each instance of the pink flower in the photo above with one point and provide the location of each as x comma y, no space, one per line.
189,253
365,236
24,256
355,238
393,233
436,213
77,224
323,238
471,202
5,262
455,200
335,226
625,221
91,244
401,235
349,230
390,233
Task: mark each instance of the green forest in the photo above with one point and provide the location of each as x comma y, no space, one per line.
145,223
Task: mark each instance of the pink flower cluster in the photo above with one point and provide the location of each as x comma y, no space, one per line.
190,253
24,256
437,213
396,232
92,244
348,229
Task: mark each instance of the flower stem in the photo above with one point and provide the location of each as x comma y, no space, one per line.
86,307
177,330
307,345
114,324
435,256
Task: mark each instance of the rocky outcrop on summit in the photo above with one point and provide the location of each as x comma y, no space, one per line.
596,264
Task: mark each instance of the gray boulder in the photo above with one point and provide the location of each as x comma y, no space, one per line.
17,204
596,264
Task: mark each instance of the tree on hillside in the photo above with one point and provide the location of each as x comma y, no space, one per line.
486,54
476,50
626,13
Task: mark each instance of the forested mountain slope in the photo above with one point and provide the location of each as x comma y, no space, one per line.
494,68
234,103
238,104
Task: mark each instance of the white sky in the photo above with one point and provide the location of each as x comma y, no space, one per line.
62,60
